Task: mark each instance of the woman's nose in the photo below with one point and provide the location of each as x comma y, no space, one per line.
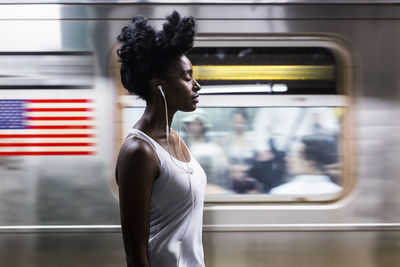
197,86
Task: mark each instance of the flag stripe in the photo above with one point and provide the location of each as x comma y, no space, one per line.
61,122
60,100
58,109
59,114
60,118
61,127
59,105
47,140
47,148
49,131
46,153
44,135
44,144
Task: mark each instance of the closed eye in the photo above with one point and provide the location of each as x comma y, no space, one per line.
188,75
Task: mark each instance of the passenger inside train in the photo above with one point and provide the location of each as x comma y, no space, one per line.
308,165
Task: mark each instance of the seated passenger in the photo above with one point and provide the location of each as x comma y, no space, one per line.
307,163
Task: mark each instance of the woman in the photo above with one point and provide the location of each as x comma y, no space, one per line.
161,185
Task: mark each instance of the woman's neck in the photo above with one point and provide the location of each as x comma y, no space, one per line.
153,120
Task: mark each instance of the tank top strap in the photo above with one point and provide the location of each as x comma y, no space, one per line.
135,133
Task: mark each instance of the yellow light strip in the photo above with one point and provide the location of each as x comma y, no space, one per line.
263,72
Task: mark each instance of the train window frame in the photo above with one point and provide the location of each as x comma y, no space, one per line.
344,83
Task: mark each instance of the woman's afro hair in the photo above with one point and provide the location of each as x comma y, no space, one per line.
146,53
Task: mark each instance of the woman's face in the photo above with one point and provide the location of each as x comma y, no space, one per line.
180,87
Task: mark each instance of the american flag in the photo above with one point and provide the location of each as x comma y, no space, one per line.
47,127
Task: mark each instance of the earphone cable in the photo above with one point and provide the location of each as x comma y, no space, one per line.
188,171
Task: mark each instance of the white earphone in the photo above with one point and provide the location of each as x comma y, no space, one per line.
166,113
160,89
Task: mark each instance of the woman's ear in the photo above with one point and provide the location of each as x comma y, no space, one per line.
156,87
154,82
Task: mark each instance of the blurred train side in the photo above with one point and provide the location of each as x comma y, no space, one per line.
362,229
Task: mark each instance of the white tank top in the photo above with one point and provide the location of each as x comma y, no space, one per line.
171,211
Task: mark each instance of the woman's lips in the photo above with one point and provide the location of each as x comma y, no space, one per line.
196,99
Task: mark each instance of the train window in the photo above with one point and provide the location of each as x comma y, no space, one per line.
271,123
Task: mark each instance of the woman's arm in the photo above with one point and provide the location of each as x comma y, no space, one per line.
137,168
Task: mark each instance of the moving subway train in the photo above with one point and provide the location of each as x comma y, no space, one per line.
297,130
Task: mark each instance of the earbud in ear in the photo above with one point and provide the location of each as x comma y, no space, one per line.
160,89
166,112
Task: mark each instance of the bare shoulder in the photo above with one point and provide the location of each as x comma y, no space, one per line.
136,148
137,158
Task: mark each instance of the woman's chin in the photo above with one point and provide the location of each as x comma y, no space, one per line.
190,109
